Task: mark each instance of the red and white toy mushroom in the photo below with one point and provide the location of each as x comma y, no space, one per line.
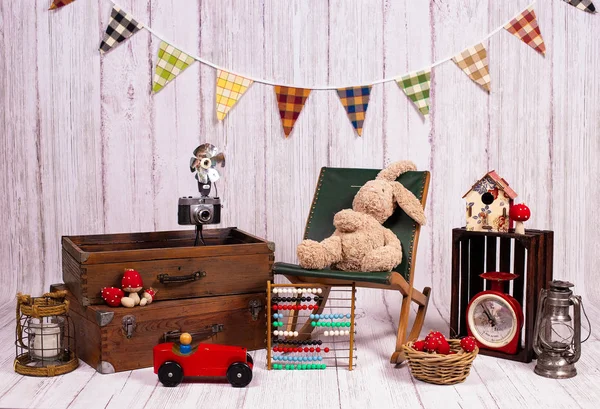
132,284
112,296
520,213
148,296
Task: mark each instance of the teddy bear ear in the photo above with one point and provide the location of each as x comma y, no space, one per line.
395,169
409,203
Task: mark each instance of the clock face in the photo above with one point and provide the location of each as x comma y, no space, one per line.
492,320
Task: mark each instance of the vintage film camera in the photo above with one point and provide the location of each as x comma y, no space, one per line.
204,209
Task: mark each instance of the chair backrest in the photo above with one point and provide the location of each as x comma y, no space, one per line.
335,191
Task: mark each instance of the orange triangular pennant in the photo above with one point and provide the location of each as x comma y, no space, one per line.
290,101
56,4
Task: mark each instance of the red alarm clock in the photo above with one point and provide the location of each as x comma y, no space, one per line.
494,318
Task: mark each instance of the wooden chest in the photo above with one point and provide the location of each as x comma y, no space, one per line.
215,292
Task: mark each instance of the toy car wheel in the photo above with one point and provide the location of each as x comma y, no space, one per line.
249,360
239,374
170,374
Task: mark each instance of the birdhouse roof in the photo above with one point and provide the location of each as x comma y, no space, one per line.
501,183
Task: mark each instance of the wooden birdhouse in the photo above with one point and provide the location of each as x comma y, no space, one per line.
488,204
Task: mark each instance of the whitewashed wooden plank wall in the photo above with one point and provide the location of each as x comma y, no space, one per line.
87,149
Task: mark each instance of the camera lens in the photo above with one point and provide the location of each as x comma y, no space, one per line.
202,215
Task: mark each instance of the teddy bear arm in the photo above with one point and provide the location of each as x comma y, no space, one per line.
348,221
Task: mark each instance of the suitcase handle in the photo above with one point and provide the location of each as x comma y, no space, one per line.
207,332
165,279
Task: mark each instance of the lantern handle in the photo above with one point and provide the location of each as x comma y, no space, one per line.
538,322
576,300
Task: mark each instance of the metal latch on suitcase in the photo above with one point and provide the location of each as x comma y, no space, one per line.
128,324
255,306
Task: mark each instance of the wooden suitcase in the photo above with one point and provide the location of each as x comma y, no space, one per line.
232,262
215,292
120,339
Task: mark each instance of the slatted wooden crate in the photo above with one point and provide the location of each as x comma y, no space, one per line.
528,255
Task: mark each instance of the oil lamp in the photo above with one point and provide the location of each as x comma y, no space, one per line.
557,338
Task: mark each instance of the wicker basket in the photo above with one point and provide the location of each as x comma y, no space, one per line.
438,368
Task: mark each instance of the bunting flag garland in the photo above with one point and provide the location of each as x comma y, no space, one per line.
416,87
230,88
121,26
290,102
56,4
171,62
525,27
585,5
473,61
355,100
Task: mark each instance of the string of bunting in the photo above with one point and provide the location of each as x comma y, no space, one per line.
231,86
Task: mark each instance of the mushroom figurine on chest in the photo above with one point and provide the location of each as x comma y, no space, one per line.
520,213
132,284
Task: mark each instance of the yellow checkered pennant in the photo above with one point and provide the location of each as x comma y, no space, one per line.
171,62
473,61
230,88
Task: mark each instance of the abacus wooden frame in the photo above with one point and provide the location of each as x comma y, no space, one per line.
293,317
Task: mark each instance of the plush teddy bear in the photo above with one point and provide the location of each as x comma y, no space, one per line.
360,242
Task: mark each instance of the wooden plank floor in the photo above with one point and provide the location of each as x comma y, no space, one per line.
493,383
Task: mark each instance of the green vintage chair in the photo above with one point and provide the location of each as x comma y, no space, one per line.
335,191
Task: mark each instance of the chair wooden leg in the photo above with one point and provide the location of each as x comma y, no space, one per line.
398,355
420,318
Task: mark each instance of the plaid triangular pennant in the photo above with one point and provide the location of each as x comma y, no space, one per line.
171,62
290,102
525,27
230,88
121,26
473,61
585,5
416,87
56,4
355,100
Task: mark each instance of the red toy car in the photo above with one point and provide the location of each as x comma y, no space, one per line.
172,362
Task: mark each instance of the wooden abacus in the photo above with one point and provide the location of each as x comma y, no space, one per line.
297,305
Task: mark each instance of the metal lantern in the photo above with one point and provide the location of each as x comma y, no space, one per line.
557,337
45,343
